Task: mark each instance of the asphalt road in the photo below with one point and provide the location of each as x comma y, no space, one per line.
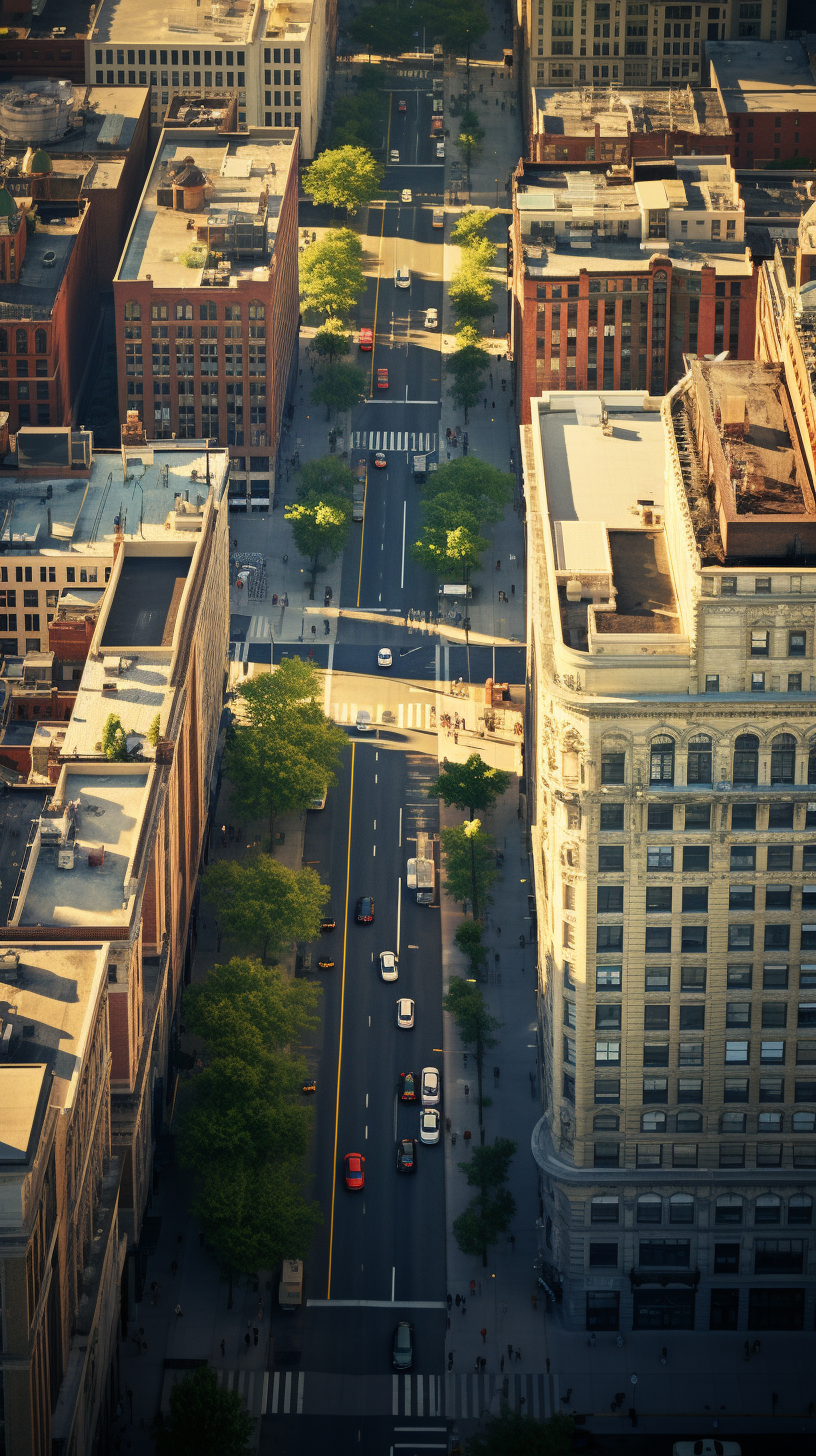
384,1246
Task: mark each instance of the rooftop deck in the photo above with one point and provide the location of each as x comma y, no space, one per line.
146,602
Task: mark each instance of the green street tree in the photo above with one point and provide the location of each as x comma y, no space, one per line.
328,475
488,1167
475,1024
347,177
340,387
331,274
470,137
467,366
468,937
470,864
247,1010
332,340
471,289
449,550
478,487
320,526
114,745
205,1419
458,24
470,228
384,29
513,1434
260,901
284,751
470,785
481,1223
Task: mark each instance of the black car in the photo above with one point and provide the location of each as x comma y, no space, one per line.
328,924
406,1155
402,1354
364,913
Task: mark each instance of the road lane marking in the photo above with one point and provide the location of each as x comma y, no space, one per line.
399,899
395,1395
420,1409
275,1392
374,852
301,1379
342,1007
264,1392
400,828
366,1132
375,1304
407,1395
402,573
327,683
287,1393
393,1280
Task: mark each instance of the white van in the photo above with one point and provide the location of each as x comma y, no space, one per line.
363,724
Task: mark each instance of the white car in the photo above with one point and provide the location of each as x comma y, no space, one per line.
393,155
440,150
405,1013
429,1125
407,195
430,1087
431,319
403,278
389,962
384,658
319,802
363,724
709,1446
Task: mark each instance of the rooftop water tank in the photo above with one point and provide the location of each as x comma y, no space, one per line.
33,118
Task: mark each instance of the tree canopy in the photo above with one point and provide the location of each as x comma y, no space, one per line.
457,24
450,550
470,785
205,1419
470,864
468,937
475,1024
340,387
470,226
471,289
320,525
458,498
284,751
327,475
346,177
331,340
481,1223
114,743
467,366
262,902
331,274
488,1167
514,1434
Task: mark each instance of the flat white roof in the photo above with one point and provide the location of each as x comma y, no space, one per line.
590,476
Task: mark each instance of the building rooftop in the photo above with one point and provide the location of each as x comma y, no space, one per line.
762,76
102,119
146,601
142,684
575,113
237,214
290,18
60,19
83,514
47,254
151,22
48,1003
95,890
766,197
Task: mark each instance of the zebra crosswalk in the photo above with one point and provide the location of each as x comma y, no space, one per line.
401,715
387,440
420,1397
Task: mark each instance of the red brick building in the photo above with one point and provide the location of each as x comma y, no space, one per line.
576,127
769,95
611,285
206,296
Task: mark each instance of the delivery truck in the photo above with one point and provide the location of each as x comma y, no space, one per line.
290,1291
421,872
358,495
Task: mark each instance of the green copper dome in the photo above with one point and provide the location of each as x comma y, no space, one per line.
8,207
41,162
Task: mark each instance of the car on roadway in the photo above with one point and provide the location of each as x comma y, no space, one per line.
328,924
431,318
402,106
393,155
408,1090
438,105
325,965
389,965
440,151
438,218
366,340
406,1155
364,910
384,658
380,461
405,1013
429,1125
407,195
402,1354
402,278
363,723
708,1446
382,378
431,1087
354,1171
319,800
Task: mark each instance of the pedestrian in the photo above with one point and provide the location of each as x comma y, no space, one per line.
501,1364
456,737
493,405
518,1355
534,1300
255,1334
512,1242
174,1268
463,1304
483,1333
513,589
747,1351
509,1352
472,1287
458,1300
756,1347
179,1311
498,930
260,1309
154,1292
477,1367
449,1299
246,1341
548,1364
498,565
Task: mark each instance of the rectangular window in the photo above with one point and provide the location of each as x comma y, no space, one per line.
660,858
607,1053
612,816
603,1256
658,939
736,1051
693,938
655,1089
610,857
658,900
695,857
698,816
656,1018
610,899
743,817
695,898
608,978
657,978
613,768
741,897
656,1054
743,857
659,816
606,1091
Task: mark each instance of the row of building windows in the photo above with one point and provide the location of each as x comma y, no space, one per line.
183,309
770,1256
693,978
743,858
686,1155
692,1016
47,573
689,1090
218,79
700,764
23,339
697,817
695,898
689,1053
694,938
729,1209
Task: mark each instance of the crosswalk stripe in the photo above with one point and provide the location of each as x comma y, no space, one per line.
390,441
395,1396
275,1392
301,1381
287,1393
264,1392
400,715
464,1380
407,1395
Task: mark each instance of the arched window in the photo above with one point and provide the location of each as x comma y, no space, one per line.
4,350
184,310
133,312
256,311
800,1209
804,1121
22,341
728,1209
768,1209
732,1122
661,761
653,1122
650,1208
40,341
681,1208
783,759
699,760
811,750
689,1121
746,759
606,1122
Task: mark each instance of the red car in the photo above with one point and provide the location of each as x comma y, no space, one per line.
402,106
354,1171
380,461
407,1087
382,378
366,340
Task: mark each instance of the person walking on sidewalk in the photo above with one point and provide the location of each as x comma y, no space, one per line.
223,1349
483,1333
179,1311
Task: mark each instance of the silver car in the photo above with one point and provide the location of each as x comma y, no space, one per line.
431,1087
405,1013
389,965
403,278
429,1125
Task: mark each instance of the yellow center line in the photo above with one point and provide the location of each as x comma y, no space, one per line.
340,1044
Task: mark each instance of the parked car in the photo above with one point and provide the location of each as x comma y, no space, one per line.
401,106
406,1155
366,340
354,1171
440,151
429,1125
431,318
382,378
438,218
380,461
431,1087
363,723
402,1355
364,910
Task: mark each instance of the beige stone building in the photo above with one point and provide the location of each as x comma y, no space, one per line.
672,782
